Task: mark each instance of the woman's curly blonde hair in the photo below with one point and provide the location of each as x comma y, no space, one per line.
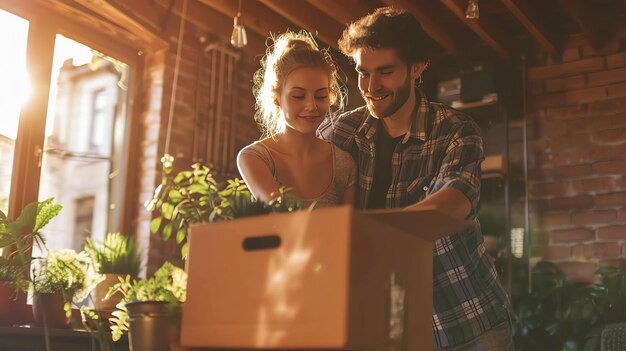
290,51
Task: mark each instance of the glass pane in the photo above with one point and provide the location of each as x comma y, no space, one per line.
84,133
14,90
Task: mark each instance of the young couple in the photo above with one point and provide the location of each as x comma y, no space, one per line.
409,152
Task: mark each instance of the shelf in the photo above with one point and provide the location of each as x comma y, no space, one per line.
488,100
493,166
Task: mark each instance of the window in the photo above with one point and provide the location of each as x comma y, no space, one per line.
99,114
14,89
68,140
83,220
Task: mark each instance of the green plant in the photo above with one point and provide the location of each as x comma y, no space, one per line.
195,197
66,271
116,254
168,284
561,315
19,236
11,274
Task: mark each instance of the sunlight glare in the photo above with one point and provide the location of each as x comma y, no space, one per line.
15,86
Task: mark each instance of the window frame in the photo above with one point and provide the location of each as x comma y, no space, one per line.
43,27
45,22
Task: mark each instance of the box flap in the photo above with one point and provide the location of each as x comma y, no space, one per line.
428,223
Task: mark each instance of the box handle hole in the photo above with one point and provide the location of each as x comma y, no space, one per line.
264,242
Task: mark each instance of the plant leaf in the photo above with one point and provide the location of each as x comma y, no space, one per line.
155,224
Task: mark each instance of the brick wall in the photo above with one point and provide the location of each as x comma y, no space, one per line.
189,110
577,156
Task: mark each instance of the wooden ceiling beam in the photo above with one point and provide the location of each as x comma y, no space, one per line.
256,16
117,12
530,20
342,12
578,12
214,23
308,17
485,29
437,30
265,22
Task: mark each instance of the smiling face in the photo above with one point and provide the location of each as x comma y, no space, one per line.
305,98
385,81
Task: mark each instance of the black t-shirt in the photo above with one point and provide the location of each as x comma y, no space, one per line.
385,145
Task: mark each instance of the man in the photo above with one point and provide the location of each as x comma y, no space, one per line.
412,153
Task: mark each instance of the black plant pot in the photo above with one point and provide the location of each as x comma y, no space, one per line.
153,325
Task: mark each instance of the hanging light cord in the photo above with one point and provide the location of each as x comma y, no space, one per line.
179,50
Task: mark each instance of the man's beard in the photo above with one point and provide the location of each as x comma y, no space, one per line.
399,96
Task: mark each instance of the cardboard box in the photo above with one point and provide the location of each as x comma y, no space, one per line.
331,278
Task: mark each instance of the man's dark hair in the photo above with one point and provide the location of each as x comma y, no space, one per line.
387,27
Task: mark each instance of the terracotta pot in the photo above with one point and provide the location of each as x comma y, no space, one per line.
49,307
153,326
101,290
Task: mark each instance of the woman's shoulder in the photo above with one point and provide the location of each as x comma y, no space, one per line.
255,147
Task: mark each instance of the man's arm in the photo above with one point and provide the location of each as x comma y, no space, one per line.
457,185
448,200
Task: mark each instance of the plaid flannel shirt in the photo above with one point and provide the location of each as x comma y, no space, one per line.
443,148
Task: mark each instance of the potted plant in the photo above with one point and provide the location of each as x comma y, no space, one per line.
115,257
150,308
564,315
59,279
18,237
194,196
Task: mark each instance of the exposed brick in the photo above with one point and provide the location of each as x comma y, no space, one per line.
616,232
618,119
571,54
574,171
551,128
614,199
570,97
572,203
567,83
554,220
617,90
555,252
621,215
599,185
607,153
567,112
572,157
597,250
578,271
570,142
610,137
553,189
594,217
607,106
606,77
616,60
610,167
589,124
582,66
572,235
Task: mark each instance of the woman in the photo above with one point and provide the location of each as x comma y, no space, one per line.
295,89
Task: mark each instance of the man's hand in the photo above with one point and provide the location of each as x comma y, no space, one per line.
448,200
